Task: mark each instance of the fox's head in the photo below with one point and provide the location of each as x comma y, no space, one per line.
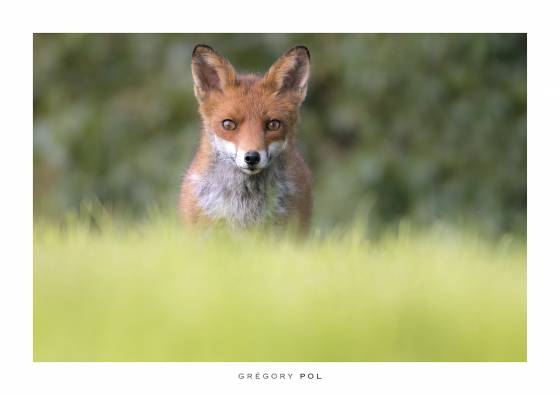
250,119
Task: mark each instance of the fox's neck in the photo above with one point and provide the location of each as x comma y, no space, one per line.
225,192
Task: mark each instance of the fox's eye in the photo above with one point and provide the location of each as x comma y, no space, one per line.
273,125
228,124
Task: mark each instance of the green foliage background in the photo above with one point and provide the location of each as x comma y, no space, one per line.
419,126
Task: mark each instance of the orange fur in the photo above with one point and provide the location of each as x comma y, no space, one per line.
251,101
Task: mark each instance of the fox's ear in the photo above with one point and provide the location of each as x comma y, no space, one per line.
290,72
211,71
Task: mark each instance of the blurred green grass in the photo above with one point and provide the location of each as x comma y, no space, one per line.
155,292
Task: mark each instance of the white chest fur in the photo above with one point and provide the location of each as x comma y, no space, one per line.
226,193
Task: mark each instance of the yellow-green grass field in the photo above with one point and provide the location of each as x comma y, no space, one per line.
155,292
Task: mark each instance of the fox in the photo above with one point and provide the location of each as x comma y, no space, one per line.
247,170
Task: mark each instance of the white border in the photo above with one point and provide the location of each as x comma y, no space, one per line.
240,16
19,21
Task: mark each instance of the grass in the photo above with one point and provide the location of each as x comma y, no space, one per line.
159,293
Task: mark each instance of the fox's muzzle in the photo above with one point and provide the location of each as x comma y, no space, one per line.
249,161
252,161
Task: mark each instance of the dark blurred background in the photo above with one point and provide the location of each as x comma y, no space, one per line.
423,127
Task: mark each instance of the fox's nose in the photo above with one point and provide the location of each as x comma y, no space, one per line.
252,158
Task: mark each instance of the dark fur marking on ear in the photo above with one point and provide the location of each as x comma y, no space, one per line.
198,46
305,49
